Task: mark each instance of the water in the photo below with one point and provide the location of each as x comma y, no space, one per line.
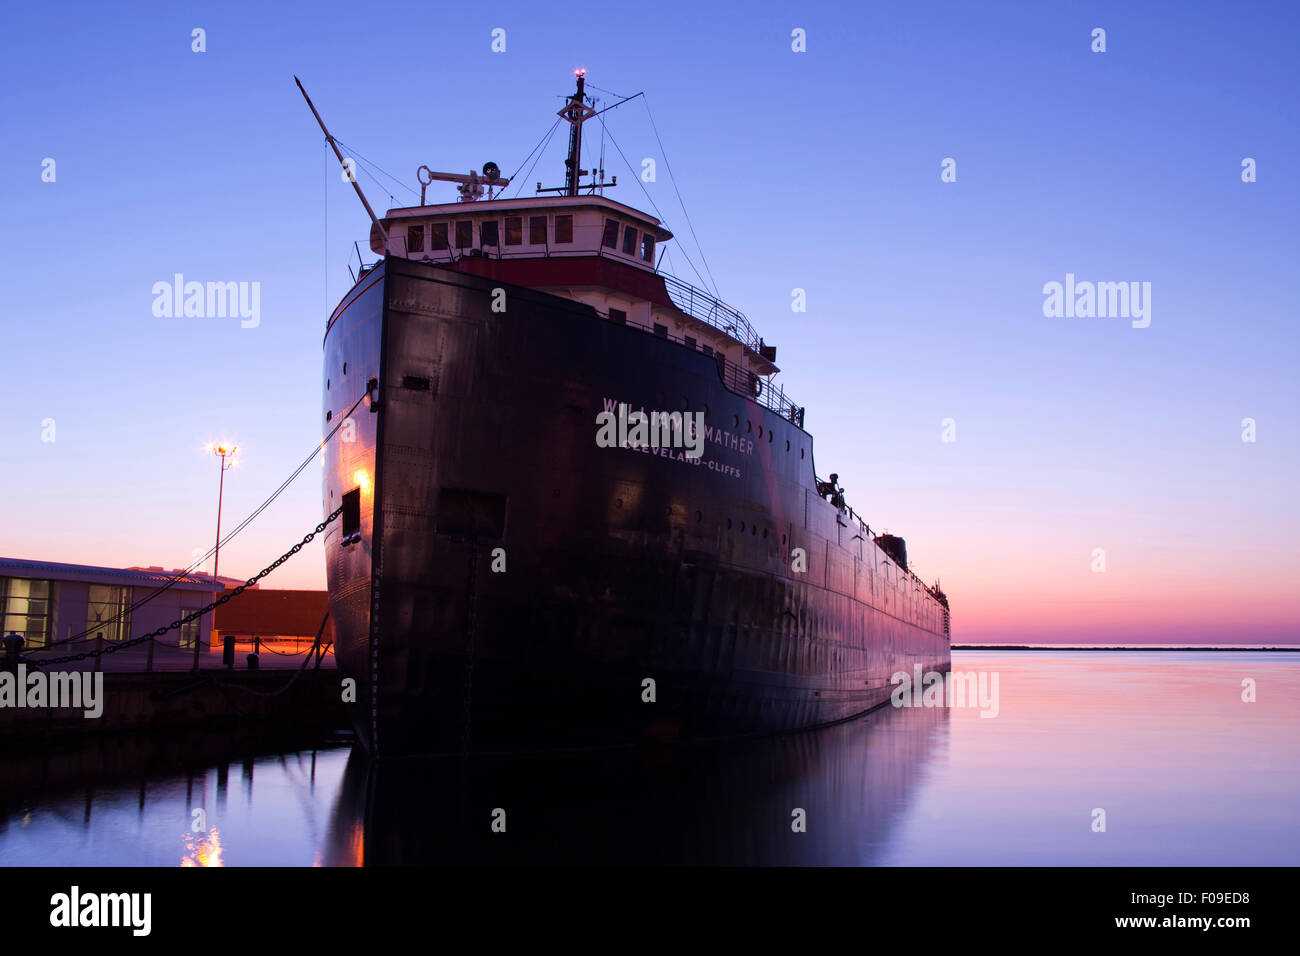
1186,772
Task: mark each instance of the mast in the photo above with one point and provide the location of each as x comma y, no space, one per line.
351,178
577,112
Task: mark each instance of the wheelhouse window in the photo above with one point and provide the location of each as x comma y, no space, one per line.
25,608
611,234
108,612
629,241
618,315
438,236
514,230
648,247
489,233
537,230
464,233
563,228
415,238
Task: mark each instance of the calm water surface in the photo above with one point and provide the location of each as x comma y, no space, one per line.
1186,772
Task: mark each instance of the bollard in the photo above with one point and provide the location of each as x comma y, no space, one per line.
253,658
13,643
228,651
252,662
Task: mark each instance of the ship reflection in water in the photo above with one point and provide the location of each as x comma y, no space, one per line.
1187,771
829,797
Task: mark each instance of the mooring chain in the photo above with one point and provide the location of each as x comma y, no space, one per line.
194,615
471,627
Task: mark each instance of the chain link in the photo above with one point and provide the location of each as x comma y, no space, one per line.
194,615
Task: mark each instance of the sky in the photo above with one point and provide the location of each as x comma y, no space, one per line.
1006,445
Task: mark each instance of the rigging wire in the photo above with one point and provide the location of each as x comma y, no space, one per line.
541,145
539,150
663,152
662,217
356,155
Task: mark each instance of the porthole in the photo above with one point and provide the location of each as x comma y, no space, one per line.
787,444
753,530
329,415
783,539
749,426
760,431
765,530
800,452
618,502
345,368
327,385
735,421
728,524
769,437
699,516
742,527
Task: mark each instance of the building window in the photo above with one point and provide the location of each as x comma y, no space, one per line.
618,315
514,230
690,342
611,234
648,247
563,228
706,349
414,238
190,631
489,234
26,609
661,330
629,241
537,230
464,233
108,612
438,237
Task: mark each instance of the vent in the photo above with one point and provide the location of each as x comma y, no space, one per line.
415,383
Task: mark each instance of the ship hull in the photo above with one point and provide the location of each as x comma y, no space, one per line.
514,585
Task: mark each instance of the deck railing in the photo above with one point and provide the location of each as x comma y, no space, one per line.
714,312
869,535
711,310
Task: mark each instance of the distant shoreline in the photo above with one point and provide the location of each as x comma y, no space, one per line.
1119,647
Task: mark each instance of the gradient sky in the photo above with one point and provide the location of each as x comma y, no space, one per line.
816,170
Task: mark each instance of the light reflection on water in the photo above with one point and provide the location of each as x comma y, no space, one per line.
1186,771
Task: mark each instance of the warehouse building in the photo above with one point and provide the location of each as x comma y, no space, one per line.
45,601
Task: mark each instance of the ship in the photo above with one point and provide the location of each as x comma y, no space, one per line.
575,510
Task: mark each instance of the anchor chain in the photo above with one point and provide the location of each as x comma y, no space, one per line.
194,615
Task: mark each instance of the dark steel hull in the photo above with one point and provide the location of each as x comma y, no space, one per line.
515,585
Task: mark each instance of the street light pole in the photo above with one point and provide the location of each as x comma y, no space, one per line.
224,451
